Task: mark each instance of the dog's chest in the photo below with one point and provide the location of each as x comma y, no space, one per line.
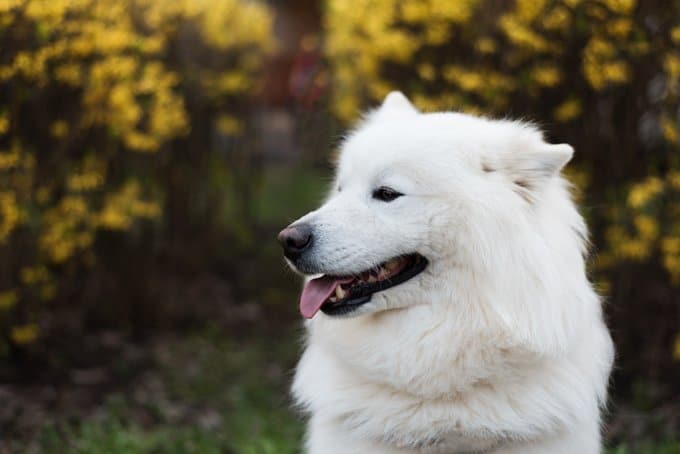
374,411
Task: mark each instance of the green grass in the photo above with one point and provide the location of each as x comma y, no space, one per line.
113,436
253,431
650,447
256,431
210,394
273,435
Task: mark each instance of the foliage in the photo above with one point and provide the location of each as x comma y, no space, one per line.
667,447
603,74
92,92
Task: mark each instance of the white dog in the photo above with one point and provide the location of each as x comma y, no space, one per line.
453,313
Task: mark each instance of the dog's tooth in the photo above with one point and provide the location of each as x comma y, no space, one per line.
332,299
339,292
372,278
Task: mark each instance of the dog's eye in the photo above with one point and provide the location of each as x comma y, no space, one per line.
386,194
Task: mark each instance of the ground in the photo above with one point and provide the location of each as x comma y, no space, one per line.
200,393
205,392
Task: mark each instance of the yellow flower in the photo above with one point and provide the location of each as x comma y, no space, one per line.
69,74
669,129
485,45
522,35
599,65
676,347
9,5
437,33
616,71
233,82
672,265
598,47
122,207
467,80
140,142
671,245
346,106
415,11
10,215
74,206
457,11
673,178
24,334
621,6
671,64
547,76
646,226
9,159
229,125
85,181
620,27
635,249
427,72
568,110
59,129
528,10
675,34
31,275
8,299
557,19
641,193
4,124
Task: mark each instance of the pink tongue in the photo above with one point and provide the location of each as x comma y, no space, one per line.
316,292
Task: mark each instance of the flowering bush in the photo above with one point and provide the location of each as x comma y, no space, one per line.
524,56
89,89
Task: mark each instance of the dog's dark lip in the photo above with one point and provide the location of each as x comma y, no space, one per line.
360,294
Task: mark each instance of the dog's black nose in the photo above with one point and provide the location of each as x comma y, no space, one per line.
295,239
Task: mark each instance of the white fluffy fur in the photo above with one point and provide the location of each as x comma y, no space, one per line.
499,345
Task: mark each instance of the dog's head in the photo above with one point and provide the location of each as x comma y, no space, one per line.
432,203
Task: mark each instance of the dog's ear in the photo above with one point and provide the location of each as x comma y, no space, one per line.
549,159
529,167
396,100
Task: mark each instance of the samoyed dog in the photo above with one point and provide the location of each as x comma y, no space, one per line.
449,309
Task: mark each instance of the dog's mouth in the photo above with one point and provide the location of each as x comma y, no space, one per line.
340,295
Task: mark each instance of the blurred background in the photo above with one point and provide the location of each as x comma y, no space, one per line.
151,149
